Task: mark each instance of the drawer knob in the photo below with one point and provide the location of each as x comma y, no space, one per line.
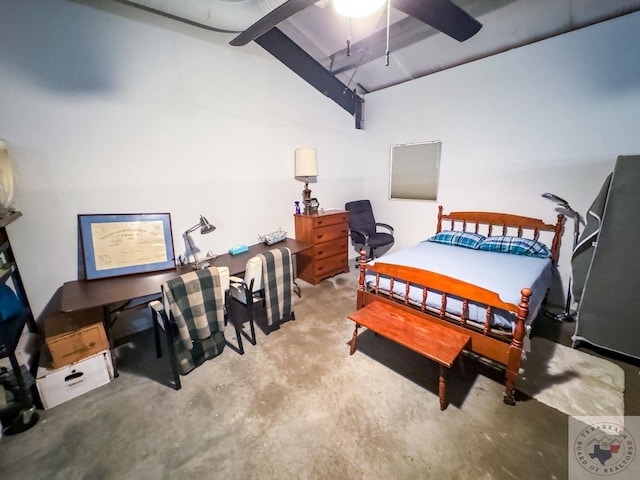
320,235
320,252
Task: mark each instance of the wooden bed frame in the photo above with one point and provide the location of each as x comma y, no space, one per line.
505,348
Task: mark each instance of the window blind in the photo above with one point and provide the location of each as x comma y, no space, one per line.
414,172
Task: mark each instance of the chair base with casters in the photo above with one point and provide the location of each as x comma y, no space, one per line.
371,251
206,345
363,229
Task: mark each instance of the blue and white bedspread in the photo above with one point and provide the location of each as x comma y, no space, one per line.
502,273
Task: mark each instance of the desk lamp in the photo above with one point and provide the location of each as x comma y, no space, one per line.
566,314
205,227
306,165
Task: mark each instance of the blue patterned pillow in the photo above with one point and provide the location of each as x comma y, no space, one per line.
516,246
458,239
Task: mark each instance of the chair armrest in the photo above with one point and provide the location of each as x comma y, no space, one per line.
234,279
364,234
384,225
157,309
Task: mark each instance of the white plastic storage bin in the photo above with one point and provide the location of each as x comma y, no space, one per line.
58,386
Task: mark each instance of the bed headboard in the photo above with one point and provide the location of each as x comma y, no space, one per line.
490,223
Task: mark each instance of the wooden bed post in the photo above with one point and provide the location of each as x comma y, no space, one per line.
361,262
515,350
439,226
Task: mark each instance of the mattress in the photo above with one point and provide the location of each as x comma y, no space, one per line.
502,273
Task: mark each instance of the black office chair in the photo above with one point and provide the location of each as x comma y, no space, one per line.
363,229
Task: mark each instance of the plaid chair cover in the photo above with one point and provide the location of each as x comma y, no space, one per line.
277,277
196,302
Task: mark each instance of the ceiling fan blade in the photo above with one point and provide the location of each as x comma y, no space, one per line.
443,15
270,20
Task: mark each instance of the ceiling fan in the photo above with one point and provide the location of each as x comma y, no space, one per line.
444,15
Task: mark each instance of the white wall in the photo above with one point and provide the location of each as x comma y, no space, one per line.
549,117
110,109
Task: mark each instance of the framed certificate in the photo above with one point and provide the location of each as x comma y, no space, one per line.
123,244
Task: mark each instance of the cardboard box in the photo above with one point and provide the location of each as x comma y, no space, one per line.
62,384
64,322
71,337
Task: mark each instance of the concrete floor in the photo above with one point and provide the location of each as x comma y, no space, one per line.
296,405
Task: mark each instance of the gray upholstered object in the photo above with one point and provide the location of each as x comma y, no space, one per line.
609,308
583,253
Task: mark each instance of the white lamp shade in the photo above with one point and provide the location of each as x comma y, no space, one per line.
357,8
306,162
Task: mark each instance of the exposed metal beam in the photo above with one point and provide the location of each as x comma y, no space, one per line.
290,54
270,20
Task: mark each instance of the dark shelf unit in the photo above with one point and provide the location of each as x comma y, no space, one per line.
20,414
9,268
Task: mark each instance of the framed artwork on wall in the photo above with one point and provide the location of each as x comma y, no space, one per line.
124,244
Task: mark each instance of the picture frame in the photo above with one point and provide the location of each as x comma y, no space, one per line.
124,244
314,205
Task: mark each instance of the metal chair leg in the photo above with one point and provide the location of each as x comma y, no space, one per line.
236,324
252,328
156,333
172,358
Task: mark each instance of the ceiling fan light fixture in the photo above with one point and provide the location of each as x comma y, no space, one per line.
357,8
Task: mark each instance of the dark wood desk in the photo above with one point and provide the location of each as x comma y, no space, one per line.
84,294
116,294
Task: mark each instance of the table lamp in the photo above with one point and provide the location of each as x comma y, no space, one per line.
566,314
205,227
306,165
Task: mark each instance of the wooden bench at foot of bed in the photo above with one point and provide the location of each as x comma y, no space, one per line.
436,342
506,351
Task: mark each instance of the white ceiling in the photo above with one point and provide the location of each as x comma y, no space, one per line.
416,49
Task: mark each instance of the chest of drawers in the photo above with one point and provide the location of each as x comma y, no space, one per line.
329,234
